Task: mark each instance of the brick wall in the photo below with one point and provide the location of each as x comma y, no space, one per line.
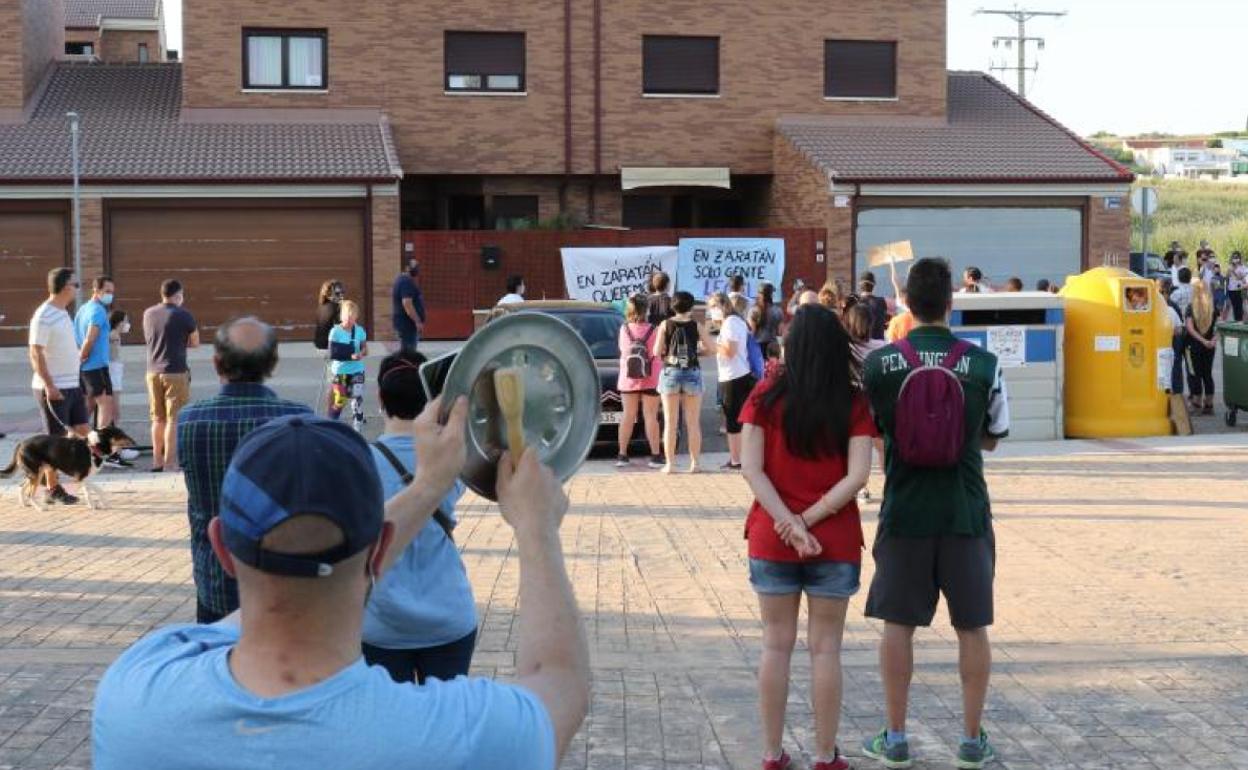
34,35
119,46
1109,231
386,261
91,36
43,39
801,197
91,212
771,65
11,55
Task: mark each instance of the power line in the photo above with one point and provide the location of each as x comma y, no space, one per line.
1020,16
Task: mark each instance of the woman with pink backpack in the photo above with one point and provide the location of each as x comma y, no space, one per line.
639,381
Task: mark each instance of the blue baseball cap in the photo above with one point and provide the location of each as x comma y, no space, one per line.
300,465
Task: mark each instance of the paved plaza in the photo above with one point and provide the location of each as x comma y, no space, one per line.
1121,636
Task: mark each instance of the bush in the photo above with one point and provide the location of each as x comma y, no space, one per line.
1190,212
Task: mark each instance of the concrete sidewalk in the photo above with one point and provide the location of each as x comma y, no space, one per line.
1119,642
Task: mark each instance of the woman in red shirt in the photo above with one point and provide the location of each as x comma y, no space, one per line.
806,452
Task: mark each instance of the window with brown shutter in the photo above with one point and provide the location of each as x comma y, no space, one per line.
680,65
485,61
859,69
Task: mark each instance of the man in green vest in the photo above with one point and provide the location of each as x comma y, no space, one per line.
935,533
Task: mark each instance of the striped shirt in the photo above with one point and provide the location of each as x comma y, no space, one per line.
208,433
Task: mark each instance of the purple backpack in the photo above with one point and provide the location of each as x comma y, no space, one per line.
930,418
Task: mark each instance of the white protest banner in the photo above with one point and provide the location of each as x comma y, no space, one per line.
706,264
610,274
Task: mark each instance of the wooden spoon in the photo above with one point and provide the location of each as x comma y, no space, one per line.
509,389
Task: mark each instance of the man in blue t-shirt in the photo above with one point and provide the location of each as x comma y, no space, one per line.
282,683
91,331
408,307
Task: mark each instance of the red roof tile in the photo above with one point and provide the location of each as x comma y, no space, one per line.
131,131
991,135
87,13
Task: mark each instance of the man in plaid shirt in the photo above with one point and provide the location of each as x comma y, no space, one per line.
208,432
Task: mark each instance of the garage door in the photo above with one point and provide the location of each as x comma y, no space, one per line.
269,262
31,244
1030,243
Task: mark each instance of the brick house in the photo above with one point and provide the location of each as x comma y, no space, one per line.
115,31
485,115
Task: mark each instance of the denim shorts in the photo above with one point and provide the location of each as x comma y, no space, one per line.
675,381
824,579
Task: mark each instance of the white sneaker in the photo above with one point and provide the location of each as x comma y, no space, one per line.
128,454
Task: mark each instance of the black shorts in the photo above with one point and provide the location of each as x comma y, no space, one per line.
70,411
912,572
732,397
97,382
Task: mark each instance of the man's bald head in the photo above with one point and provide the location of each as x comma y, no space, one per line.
246,350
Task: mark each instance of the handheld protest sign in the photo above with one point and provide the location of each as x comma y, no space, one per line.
530,380
901,251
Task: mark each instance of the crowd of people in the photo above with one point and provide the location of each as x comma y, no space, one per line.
326,591
1198,296
78,375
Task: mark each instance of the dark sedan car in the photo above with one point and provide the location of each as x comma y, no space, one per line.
599,326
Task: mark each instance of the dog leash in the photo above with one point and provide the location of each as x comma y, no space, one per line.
52,412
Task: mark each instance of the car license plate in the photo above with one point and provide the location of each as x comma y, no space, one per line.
611,418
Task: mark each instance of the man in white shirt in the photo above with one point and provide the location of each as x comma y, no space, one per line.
54,359
515,291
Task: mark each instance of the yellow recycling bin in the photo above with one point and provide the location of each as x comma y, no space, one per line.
1118,356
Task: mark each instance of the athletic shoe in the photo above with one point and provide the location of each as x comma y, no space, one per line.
895,756
973,756
58,495
116,461
622,461
129,454
837,764
656,461
781,763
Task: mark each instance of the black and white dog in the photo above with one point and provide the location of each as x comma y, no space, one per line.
72,456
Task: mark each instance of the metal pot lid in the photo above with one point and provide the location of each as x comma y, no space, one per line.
562,395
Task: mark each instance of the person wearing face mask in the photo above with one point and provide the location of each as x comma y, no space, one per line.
1236,278
91,331
408,307
119,326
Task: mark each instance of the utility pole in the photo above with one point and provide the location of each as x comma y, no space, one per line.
1021,16
75,161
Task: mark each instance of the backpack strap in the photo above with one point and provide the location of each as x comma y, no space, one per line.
646,337
955,354
443,520
909,353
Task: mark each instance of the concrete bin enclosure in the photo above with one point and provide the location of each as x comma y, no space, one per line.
1025,330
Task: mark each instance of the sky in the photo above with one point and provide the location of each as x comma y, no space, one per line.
1104,65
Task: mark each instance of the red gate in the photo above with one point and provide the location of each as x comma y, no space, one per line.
455,282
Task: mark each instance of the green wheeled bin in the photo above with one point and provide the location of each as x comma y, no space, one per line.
1234,368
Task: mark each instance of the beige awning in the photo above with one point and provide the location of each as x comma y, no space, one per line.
632,178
